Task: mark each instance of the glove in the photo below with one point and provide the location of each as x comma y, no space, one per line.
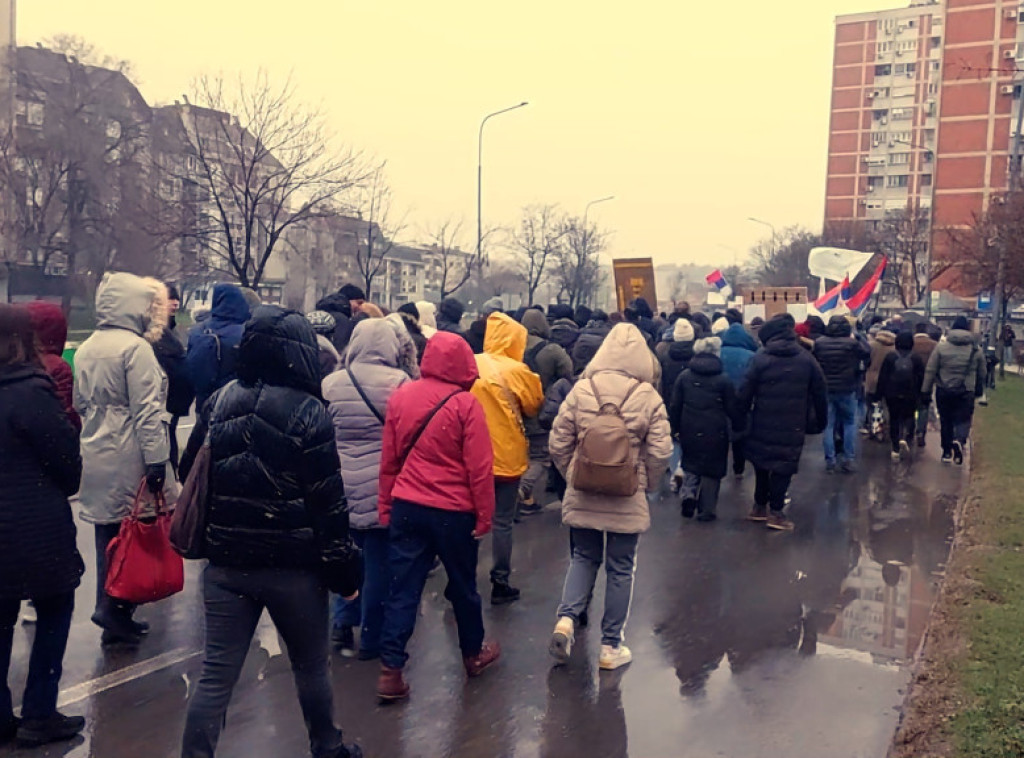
156,475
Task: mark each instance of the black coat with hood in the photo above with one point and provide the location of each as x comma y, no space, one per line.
277,496
170,353
41,469
675,358
339,307
703,406
902,390
783,388
840,355
449,317
588,342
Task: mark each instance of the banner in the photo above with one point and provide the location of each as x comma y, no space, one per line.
835,264
859,302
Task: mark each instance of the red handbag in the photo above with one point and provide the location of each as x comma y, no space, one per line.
142,567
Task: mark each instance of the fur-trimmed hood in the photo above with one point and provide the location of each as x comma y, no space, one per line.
135,303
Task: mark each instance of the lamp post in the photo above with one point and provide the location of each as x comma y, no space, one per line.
586,209
479,178
770,226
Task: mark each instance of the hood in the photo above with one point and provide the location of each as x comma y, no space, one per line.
428,314
451,310
536,324
905,341
565,324
505,337
737,336
705,364
50,326
229,306
959,337
374,342
816,325
558,310
643,310
411,324
582,316
681,351
886,338
408,354
838,326
624,350
774,328
126,301
449,359
335,304
279,348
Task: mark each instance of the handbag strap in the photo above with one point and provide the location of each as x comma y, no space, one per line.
158,501
629,393
422,427
362,394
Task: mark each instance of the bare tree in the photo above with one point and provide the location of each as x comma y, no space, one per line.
381,226
537,243
454,267
263,163
578,270
902,237
677,287
782,262
86,53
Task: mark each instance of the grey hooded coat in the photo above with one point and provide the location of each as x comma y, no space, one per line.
121,394
374,357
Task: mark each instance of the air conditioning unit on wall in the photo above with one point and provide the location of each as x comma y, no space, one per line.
1006,89
1009,54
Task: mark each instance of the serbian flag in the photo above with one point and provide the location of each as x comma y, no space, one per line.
831,299
716,280
859,302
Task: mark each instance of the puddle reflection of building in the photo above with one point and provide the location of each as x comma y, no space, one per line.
584,714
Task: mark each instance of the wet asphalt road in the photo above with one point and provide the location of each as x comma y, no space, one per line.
746,643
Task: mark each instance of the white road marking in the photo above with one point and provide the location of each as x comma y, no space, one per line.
114,679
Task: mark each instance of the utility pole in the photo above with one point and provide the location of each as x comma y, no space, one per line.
998,304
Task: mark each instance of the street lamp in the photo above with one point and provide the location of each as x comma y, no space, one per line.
479,177
765,223
586,209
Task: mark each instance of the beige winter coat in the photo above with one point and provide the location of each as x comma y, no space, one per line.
622,360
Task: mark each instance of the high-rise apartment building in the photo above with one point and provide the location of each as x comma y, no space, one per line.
922,103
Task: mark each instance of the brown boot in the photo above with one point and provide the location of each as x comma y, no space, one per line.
477,664
391,686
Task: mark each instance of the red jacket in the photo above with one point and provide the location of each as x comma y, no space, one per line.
450,467
52,330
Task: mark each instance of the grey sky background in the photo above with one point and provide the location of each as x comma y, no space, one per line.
694,117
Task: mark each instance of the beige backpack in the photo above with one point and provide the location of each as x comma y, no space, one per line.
604,456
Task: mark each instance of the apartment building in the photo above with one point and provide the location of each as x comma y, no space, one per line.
922,104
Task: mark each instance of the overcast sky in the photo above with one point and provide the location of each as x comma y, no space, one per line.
695,116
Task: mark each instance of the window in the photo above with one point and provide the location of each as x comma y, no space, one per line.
926,180
936,42
911,68
899,180
901,68
880,114
34,113
883,70
934,65
899,159
902,114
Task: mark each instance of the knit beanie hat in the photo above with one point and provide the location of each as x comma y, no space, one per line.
683,331
711,345
720,325
352,292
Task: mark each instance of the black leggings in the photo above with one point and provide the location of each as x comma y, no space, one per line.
901,421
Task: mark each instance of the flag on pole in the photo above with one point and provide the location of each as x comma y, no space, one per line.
716,280
831,299
859,302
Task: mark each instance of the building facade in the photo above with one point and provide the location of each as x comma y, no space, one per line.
922,103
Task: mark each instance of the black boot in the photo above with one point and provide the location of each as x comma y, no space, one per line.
56,728
502,593
117,625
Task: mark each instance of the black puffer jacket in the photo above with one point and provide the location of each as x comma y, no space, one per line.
338,306
170,354
278,499
703,405
41,468
588,342
839,354
675,358
565,332
783,384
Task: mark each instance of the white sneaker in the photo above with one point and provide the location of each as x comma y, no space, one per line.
895,455
28,613
562,638
904,448
614,657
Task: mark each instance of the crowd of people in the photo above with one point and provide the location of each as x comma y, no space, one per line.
354,451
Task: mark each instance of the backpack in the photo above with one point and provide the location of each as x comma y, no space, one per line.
530,359
902,381
604,457
204,360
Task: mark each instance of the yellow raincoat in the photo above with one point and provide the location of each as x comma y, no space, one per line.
508,391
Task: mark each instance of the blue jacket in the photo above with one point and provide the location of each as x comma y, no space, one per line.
738,349
213,344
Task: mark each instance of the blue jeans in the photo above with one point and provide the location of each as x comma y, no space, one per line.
367,611
418,535
842,410
45,663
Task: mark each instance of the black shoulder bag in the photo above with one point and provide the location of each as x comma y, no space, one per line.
359,389
422,428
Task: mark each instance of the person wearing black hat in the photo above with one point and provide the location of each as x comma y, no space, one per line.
170,354
956,371
411,316
339,306
785,394
356,297
449,317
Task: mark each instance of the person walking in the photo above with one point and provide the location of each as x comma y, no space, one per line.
121,395
956,371
881,344
170,353
357,397
589,340
437,497
1007,338
923,347
702,412
411,318
550,362
51,329
675,355
606,527
564,329
277,532
477,329
39,560
337,305
449,317
899,383
324,325
738,349
213,345
786,396
509,392
839,355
